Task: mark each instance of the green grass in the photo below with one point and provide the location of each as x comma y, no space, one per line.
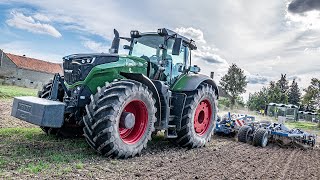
29,150
79,165
8,92
303,125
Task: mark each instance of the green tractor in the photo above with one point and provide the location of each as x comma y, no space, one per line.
117,101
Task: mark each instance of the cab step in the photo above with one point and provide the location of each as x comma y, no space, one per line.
171,132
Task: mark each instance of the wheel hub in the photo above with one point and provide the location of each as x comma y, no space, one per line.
133,122
127,120
202,117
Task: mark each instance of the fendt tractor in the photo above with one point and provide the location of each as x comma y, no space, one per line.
117,101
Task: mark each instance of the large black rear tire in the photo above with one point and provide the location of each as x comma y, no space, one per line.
68,130
244,133
103,130
198,118
260,138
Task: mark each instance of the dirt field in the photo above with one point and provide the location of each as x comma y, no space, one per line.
222,158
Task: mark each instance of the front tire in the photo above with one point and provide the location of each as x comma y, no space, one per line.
198,118
103,129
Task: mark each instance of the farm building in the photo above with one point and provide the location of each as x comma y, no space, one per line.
291,112
287,110
25,71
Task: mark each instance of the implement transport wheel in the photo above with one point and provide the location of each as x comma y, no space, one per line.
198,119
120,119
260,138
69,129
244,134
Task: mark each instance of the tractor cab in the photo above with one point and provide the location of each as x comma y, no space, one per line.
167,53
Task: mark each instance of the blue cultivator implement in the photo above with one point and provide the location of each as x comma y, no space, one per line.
230,124
261,133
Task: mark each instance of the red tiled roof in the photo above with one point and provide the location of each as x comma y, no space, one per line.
35,64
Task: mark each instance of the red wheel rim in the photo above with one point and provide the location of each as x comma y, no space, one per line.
202,117
133,135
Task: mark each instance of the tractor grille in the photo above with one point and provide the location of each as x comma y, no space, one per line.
72,72
76,70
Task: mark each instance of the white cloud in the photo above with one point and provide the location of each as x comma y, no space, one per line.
41,17
257,79
19,20
95,46
192,33
307,21
206,56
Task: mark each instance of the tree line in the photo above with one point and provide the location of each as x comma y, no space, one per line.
234,83
283,93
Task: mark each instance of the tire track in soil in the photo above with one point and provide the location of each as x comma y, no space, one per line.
223,164
190,165
306,165
227,167
282,167
287,164
207,163
243,160
268,159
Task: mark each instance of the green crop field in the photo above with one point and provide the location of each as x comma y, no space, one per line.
309,126
29,150
8,92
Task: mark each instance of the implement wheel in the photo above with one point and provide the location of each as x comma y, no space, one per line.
198,119
69,129
244,134
260,138
120,119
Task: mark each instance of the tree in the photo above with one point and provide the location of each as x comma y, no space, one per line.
234,83
311,99
283,83
275,94
294,94
258,100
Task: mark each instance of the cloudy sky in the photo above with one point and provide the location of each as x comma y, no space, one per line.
265,37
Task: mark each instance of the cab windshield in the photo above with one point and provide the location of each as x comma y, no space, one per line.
147,46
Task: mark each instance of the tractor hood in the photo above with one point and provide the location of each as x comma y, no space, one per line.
77,66
94,57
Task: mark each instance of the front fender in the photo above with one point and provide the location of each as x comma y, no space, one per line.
190,82
145,80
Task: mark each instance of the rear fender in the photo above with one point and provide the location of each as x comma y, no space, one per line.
190,82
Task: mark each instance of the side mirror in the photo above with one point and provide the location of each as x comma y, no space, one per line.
115,43
177,46
195,69
127,47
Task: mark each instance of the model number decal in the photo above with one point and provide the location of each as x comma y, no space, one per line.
24,107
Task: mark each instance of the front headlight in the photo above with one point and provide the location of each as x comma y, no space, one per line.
83,61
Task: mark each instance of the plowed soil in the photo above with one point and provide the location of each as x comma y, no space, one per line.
222,158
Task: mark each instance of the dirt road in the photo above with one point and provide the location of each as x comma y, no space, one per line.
222,158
